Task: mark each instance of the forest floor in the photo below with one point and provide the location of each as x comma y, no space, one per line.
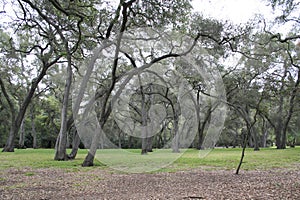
53,183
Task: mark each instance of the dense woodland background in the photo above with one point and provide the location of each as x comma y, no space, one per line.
44,43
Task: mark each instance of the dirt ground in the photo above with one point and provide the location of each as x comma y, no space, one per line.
50,183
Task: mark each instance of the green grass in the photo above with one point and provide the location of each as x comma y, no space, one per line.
159,160
29,174
40,158
268,158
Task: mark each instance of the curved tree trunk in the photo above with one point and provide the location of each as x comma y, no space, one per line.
290,111
244,145
75,145
9,147
22,135
61,142
89,159
201,128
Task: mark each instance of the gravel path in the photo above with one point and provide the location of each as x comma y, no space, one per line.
50,183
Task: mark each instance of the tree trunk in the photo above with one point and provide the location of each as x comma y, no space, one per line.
201,126
200,136
129,142
252,138
265,134
144,119
290,111
175,144
264,139
61,146
156,143
98,132
119,140
22,135
279,125
165,134
149,144
255,138
236,135
17,123
33,131
159,139
89,159
144,146
9,147
244,145
75,145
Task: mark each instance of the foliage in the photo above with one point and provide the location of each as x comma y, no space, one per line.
259,67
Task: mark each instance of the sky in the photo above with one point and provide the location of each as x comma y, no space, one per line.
237,11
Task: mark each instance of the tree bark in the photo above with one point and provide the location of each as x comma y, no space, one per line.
17,123
245,141
129,142
290,111
61,142
201,127
279,122
9,147
279,125
89,159
119,140
251,129
75,145
144,119
255,138
149,144
33,130
175,143
22,135
265,134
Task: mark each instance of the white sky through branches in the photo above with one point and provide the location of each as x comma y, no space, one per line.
237,11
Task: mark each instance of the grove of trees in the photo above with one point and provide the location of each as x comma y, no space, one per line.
53,49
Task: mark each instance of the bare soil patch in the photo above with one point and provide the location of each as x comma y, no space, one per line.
104,184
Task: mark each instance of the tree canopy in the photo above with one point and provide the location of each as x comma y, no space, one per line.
187,80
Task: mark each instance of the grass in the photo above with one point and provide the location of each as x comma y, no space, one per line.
229,158
39,158
159,160
29,174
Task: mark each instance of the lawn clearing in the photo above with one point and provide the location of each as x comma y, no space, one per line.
270,174
39,158
134,162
